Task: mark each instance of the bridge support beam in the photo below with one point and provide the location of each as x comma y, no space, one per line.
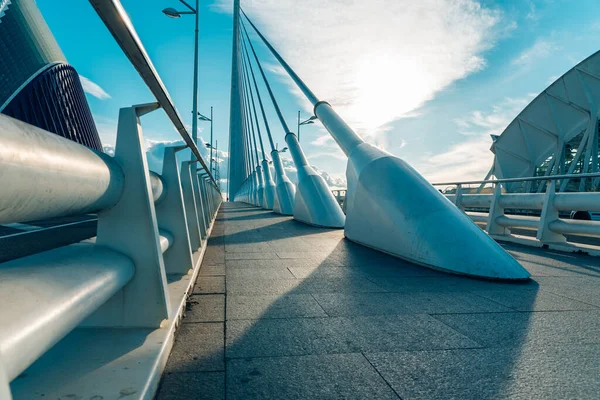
314,203
285,191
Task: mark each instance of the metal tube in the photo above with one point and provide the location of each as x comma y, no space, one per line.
260,103
474,200
286,129
158,187
211,139
478,217
307,92
346,138
577,201
585,228
43,175
525,179
195,99
63,286
518,221
528,201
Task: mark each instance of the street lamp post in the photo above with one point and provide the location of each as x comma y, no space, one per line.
311,120
173,13
216,158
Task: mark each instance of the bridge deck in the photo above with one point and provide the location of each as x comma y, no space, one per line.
282,310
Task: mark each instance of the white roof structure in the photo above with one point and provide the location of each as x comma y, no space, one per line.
557,133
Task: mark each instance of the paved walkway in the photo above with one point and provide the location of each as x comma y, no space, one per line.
282,310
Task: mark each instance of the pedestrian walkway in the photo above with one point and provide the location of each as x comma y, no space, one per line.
282,310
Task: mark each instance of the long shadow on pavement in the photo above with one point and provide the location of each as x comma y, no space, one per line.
312,315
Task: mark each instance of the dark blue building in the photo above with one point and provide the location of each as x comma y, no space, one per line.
37,85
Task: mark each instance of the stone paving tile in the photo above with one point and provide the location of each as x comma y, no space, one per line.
273,306
584,290
344,304
282,286
209,284
326,272
339,376
248,247
308,263
214,255
303,254
187,385
446,283
302,336
567,372
260,273
198,348
212,270
251,256
205,308
506,329
257,287
534,300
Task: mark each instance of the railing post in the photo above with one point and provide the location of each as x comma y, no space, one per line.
458,198
548,215
170,213
200,206
203,187
205,204
189,199
130,227
496,210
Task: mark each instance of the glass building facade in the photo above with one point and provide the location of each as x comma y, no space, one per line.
37,85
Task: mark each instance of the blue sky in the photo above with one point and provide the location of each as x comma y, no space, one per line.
427,81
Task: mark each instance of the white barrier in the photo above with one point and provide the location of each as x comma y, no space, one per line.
143,235
550,228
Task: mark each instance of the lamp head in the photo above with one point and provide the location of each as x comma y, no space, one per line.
171,12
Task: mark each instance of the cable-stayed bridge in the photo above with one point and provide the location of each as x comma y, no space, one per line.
280,294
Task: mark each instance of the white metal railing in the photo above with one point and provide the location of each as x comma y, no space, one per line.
149,225
489,209
145,231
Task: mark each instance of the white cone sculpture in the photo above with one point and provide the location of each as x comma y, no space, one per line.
269,186
314,201
284,188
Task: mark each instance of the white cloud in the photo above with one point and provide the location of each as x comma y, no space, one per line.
93,88
334,182
380,60
155,152
494,121
532,14
323,140
472,159
541,49
107,130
